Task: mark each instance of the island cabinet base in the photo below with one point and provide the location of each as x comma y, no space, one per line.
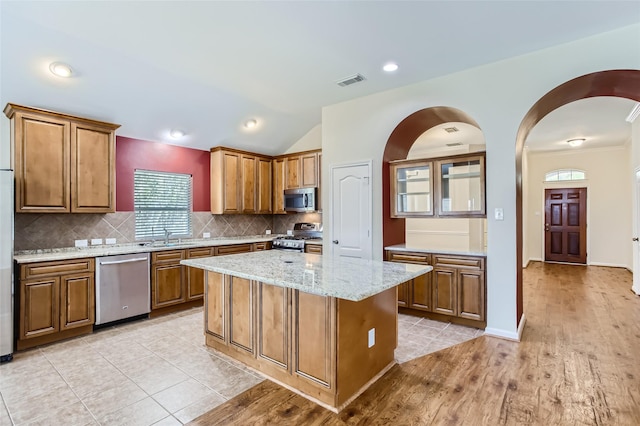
324,348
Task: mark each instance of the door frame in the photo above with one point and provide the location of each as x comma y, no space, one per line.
568,184
332,168
635,229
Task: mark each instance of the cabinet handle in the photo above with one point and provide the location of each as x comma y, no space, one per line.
117,262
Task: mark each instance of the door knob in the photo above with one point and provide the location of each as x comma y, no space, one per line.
635,239
335,241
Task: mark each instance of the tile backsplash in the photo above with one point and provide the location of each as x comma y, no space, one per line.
51,230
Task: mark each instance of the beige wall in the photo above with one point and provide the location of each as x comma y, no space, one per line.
497,96
312,140
608,202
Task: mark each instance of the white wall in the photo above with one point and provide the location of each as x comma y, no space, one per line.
497,96
311,140
609,205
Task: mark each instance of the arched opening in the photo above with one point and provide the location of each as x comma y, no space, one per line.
398,146
617,83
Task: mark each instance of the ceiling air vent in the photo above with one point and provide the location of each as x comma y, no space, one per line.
454,144
356,78
451,129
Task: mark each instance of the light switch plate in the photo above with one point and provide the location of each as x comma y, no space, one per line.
372,337
81,243
96,241
110,241
268,231
206,235
499,213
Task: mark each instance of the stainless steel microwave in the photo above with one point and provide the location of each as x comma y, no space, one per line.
300,200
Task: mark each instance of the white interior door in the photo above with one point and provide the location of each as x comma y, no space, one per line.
636,234
351,214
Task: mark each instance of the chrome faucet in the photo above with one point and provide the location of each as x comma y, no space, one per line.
167,234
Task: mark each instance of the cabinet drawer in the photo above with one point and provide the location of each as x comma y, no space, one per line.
421,258
199,252
167,256
459,261
41,269
236,248
313,248
266,245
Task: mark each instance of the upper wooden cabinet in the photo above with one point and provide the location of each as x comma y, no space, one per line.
240,182
301,170
62,163
278,185
439,187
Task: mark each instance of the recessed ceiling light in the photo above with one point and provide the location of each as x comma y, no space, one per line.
390,67
176,133
250,124
575,142
60,69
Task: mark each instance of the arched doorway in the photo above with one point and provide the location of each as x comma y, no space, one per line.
618,83
397,148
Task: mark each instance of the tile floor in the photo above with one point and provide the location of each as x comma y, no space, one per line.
152,372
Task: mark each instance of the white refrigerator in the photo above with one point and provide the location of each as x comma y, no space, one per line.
6,265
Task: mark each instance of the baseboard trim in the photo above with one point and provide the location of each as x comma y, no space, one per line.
507,335
609,265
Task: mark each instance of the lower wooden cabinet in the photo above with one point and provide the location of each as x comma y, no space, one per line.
167,279
313,248
195,276
454,289
56,301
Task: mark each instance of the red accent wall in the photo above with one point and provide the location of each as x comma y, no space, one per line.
134,154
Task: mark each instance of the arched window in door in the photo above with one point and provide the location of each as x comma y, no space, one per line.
565,174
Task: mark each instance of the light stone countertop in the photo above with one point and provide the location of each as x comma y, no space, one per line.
343,278
404,247
314,241
28,256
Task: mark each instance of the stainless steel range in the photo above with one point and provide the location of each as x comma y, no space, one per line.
301,231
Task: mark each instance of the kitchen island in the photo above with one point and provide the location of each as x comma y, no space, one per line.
324,327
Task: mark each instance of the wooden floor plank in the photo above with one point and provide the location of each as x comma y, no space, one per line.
578,364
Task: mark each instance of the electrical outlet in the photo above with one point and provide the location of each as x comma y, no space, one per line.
289,232
268,231
372,337
206,235
110,241
81,243
96,241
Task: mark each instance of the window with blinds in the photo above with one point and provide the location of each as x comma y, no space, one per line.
163,203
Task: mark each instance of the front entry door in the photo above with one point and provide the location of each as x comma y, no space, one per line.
566,225
351,210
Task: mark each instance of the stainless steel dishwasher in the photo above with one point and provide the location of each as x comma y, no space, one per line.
122,287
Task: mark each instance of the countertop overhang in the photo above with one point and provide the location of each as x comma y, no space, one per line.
344,278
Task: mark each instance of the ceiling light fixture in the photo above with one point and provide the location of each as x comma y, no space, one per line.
390,67
634,113
250,124
575,142
176,133
60,69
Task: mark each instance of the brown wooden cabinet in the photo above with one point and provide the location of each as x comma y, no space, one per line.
301,170
195,276
313,248
278,185
167,279
62,163
453,291
240,182
56,301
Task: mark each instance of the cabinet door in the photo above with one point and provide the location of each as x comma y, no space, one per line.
273,324
167,285
77,301
39,304
241,320
411,189
314,322
309,172
42,164
292,170
471,295
248,184
461,189
444,291
232,202
264,186
215,306
92,169
421,292
403,294
278,185
195,276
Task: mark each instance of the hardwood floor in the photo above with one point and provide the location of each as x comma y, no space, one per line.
578,364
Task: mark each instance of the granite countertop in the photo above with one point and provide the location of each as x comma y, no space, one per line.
28,256
404,247
344,278
316,241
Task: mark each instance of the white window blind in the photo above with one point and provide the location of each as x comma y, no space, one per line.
163,203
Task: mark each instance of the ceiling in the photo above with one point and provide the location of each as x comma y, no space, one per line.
206,67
